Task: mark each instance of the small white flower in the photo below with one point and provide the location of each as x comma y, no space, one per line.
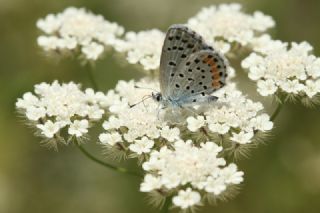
262,122
231,174
312,88
171,134
78,128
242,137
35,113
141,146
110,138
150,183
112,123
292,86
186,198
92,51
219,128
194,124
215,185
212,148
94,112
28,100
267,87
49,128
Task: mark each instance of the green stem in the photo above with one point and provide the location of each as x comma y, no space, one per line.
115,168
166,205
91,77
276,112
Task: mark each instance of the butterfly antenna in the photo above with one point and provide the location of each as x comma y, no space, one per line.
142,101
138,87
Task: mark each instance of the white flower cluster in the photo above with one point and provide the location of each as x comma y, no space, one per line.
75,29
235,114
140,127
276,67
54,107
228,22
142,48
187,165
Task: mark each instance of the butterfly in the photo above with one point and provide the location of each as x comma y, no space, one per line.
190,70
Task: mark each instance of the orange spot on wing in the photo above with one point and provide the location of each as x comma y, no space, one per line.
214,70
216,84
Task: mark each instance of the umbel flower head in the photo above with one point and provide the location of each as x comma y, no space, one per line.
76,30
61,111
185,164
138,129
229,23
278,68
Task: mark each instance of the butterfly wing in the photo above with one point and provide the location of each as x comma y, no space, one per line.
179,43
201,74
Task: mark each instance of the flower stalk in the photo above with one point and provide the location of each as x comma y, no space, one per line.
109,166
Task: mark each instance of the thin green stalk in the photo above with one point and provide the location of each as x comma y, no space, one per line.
276,112
91,77
166,205
115,168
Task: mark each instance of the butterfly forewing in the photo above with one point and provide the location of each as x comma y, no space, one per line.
180,43
201,74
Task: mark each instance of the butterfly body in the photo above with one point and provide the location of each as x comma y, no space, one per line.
190,70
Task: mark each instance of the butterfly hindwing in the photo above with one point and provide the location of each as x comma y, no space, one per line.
180,43
201,74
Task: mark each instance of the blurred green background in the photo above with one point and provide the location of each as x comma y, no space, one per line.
282,176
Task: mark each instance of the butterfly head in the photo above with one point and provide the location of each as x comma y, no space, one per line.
157,97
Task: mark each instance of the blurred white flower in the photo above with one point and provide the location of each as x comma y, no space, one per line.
92,51
141,146
267,87
277,67
73,28
78,128
170,134
142,48
228,22
312,87
262,122
186,198
242,137
61,105
49,128
110,138
150,182
194,124
35,113
232,175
